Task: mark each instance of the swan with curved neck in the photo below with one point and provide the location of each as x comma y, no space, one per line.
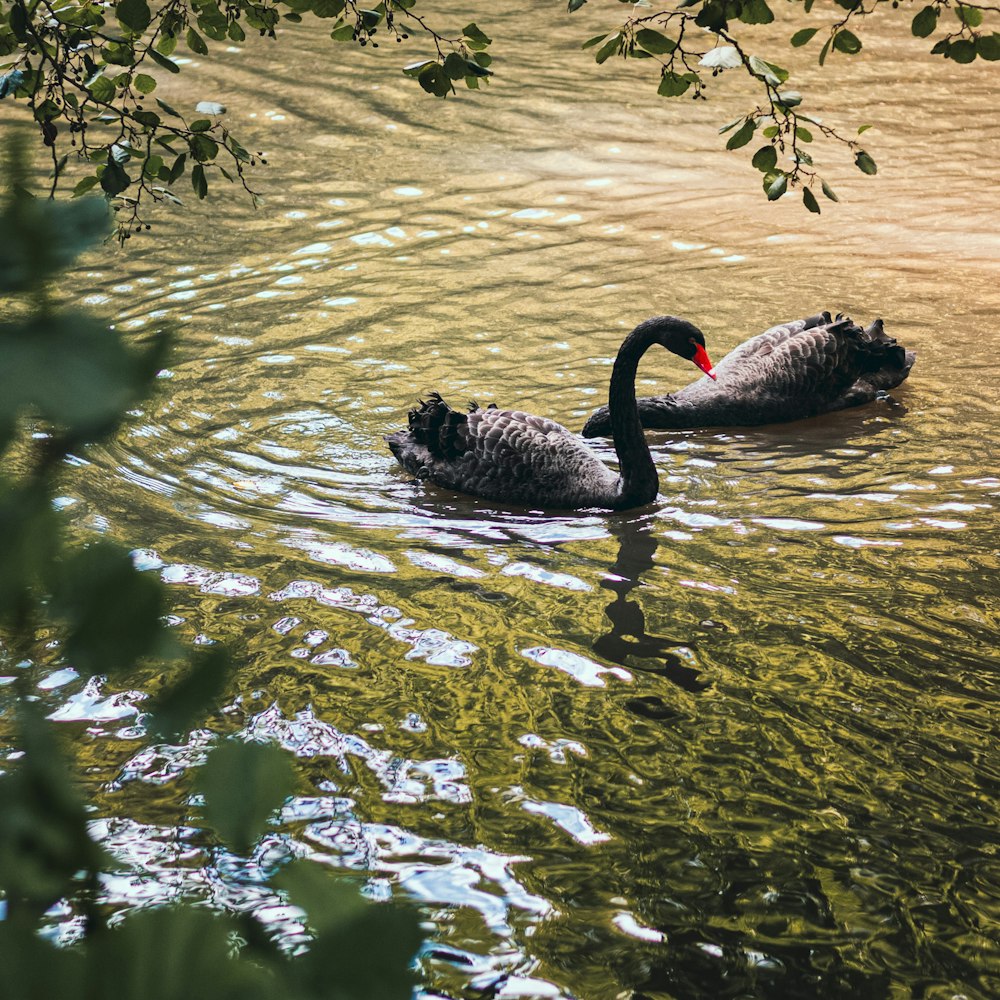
518,458
794,370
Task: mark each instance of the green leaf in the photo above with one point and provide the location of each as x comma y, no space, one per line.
201,125
971,16
203,149
113,611
166,43
809,200
865,163
33,966
655,42
29,542
170,952
770,132
343,32
153,165
847,42
925,22
765,159
789,98
44,841
673,84
988,47
235,32
803,134
72,371
777,187
144,83
434,80
178,167
199,181
186,701
742,135
367,950
474,38
41,237
575,5
114,180
962,51
328,8
84,185
196,43
167,64
474,68
712,16
608,48
774,75
591,42
243,785
18,21
864,128
455,67
414,69
102,89
828,191
237,150
134,15
756,12
167,108
119,54
802,37
823,51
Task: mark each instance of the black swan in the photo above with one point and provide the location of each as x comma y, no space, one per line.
794,370
522,459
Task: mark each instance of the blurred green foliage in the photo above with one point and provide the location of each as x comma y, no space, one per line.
66,379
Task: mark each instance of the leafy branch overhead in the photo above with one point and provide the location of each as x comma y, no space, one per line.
696,41
88,70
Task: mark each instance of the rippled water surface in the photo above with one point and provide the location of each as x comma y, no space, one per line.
740,743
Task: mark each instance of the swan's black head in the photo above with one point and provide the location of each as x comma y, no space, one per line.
682,338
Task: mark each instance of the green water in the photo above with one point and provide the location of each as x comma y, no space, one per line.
741,743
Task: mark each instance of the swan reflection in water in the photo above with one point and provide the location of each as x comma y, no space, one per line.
628,643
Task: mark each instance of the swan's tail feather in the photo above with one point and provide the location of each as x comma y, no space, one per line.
437,427
886,363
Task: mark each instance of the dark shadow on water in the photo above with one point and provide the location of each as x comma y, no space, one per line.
628,643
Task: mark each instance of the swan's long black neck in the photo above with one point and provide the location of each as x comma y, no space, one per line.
639,481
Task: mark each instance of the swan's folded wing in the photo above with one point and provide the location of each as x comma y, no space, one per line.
772,338
506,442
792,360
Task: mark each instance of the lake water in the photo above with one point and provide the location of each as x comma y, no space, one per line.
740,743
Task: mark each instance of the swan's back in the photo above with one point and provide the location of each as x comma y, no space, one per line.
505,455
804,357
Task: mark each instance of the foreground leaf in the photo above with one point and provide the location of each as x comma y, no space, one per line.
243,785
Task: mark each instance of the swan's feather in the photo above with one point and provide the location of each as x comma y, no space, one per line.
505,455
796,369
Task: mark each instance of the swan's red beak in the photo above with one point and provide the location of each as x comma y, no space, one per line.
702,360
